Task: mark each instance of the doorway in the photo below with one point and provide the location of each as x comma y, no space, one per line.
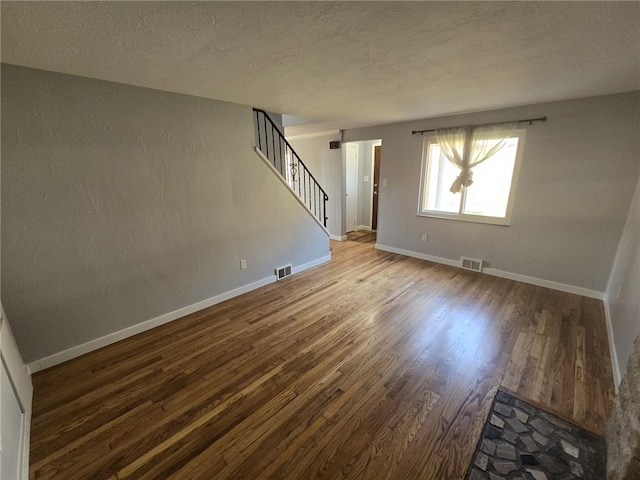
377,152
351,187
361,181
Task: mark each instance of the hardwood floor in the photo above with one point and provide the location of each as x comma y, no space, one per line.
365,236
372,366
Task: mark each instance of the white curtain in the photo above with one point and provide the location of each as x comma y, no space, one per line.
467,147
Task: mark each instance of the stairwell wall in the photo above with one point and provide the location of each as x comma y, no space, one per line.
121,204
326,166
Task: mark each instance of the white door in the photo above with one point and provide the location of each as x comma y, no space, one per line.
352,187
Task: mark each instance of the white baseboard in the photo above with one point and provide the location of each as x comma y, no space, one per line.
314,263
615,366
540,282
114,337
363,227
422,256
338,238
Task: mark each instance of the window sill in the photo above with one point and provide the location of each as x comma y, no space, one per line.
500,222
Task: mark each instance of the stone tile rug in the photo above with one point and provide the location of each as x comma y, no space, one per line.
522,442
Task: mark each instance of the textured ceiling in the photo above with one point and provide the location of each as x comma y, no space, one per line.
343,64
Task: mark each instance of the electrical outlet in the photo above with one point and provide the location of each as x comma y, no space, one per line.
243,264
425,237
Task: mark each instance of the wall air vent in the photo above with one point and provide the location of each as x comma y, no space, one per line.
472,264
283,272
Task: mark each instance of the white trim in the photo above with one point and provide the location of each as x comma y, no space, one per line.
461,217
295,195
540,282
20,379
313,263
114,337
615,366
97,343
375,143
311,135
422,256
338,238
349,160
363,227
25,433
427,165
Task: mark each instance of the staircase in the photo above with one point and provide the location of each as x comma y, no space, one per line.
278,153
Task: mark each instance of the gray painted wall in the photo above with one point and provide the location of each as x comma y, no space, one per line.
121,204
578,174
277,119
326,166
623,289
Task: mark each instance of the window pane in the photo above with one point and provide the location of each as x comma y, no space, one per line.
489,194
440,176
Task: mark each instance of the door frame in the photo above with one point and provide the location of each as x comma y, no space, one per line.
356,147
377,143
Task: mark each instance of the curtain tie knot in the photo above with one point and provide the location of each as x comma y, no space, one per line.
465,179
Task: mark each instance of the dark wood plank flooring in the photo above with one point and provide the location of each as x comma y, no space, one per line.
372,366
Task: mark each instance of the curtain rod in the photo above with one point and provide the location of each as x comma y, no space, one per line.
530,120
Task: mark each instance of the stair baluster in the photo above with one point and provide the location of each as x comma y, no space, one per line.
289,165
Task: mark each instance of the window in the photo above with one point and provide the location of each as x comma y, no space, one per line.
488,200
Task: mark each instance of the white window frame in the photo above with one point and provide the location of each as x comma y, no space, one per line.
506,221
